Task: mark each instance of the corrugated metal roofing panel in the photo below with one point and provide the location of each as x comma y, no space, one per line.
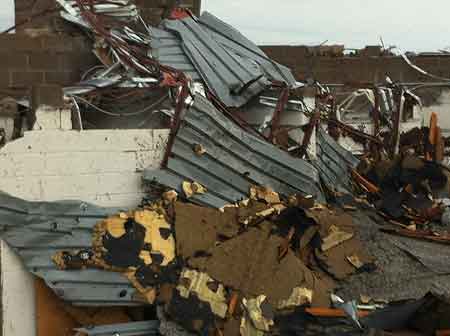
234,160
166,48
145,328
37,230
232,78
333,161
207,49
232,39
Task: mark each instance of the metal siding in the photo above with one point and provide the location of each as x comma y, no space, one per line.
224,74
166,48
37,230
231,38
212,51
333,161
144,328
234,160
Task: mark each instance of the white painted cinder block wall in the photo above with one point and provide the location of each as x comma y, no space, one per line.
17,294
103,167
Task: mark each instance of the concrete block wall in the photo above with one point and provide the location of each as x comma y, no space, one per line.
338,70
103,167
50,118
60,53
55,59
151,11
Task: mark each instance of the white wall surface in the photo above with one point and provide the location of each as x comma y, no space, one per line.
48,118
103,167
442,108
18,295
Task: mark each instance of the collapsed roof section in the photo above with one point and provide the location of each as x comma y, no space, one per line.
232,161
232,67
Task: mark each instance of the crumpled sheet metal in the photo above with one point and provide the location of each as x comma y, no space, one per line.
230,38
36,230
234,161
123,10
144,328
232,78
333,161
233,67
167,49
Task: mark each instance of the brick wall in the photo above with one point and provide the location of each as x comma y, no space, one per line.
151,11
61,53
328,69
53,59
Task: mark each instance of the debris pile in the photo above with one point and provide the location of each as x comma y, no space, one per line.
249,253
267,215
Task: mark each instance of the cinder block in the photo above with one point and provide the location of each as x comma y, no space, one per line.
13,60
49,117
46,94
26,78
44,61
5,79
99,166
19,42
61,77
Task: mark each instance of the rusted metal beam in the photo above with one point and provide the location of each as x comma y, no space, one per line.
330,312
355,132
281,105
333,130
367,184
309,132
175,123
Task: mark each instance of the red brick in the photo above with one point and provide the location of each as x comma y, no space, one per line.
26,78
44,61
13,60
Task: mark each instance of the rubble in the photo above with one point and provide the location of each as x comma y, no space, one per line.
252,225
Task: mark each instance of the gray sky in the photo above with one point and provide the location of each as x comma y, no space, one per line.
6,14
408,24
